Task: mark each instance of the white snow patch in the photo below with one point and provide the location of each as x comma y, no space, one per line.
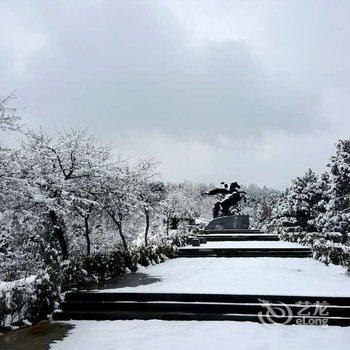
21,282
184,335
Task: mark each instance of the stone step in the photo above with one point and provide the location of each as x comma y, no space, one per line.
231,230
238,237
244,252
220,307
183,316
91,296
236,308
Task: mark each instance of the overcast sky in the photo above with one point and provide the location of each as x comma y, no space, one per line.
256,91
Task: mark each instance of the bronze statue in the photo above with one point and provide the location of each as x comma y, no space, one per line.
229,199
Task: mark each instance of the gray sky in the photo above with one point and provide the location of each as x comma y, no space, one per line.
256,91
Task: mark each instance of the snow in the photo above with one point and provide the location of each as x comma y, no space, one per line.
184,335
4,286
248,244
285,276
201,221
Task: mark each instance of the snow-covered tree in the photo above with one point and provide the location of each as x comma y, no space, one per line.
121,195
262,212
63,173
91,161
9,119
12,193
183,201
305,196
152,195
301,203
337,207
259,204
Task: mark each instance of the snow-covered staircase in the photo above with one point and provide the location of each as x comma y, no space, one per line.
239,235
283,309
218,307
244,252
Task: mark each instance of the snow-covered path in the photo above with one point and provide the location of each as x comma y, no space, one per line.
184,335
281,276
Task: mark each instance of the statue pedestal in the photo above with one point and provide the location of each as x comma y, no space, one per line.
237,222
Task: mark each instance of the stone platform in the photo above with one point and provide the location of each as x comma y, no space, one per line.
222,237
238,222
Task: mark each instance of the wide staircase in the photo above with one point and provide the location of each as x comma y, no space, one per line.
203,307
284,309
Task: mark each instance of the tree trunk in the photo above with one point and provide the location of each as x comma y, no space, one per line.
147,227
120,230
125,245
167,225
87,236
344,231
59,233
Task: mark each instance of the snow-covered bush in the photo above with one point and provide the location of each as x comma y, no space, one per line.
26,301
330,252
29,300
296,234
326,246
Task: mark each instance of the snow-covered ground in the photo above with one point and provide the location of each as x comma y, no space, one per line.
288,276
160,335
248,244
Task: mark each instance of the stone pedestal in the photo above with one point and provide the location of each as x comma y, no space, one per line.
238,222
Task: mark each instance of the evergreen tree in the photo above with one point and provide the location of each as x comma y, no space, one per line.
337,210
302,202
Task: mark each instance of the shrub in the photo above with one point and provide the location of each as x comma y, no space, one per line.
326,246
30,300
26,301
